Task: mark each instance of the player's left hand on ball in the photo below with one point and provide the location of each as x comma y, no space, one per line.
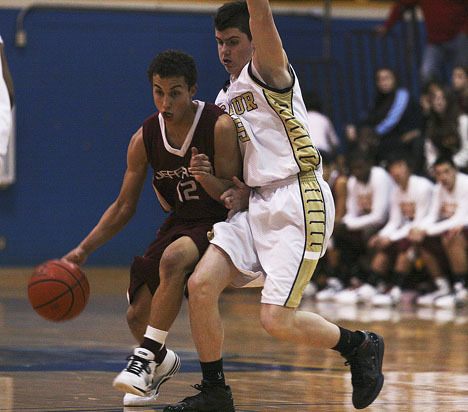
200,164
77,256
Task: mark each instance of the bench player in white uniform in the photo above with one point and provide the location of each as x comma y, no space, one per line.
443,237
409,205
288,222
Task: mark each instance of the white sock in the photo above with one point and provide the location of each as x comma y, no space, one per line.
156,334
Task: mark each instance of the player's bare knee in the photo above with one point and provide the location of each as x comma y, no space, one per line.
273,319
173,266
199,288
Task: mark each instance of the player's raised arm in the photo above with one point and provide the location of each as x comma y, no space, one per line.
269,57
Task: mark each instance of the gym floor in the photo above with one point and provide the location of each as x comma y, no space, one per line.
69,366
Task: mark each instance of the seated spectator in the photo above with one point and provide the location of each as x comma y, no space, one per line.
327,272
322,132
410,202
443,235
459,86
393,123
368,192
446,131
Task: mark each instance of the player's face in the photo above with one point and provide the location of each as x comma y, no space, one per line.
172,97
361,170
445,174
400,172
234,50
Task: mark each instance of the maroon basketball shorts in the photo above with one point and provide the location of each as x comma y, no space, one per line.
433,245
145,269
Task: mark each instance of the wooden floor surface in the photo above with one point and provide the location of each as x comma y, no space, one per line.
70,366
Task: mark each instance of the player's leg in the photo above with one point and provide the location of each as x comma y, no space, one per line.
138,312
289,262
212,275
381,270
455,248
152,363
363,351
435,265
298,326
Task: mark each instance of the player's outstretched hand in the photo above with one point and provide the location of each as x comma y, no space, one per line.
200,165
77,256
236,198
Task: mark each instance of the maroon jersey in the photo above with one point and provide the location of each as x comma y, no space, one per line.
176,189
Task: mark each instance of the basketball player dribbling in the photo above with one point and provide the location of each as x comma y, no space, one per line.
180,142
288,222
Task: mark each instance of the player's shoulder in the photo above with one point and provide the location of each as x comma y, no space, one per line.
151,119
213,109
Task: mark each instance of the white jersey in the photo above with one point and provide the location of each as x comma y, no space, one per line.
367,204
5,113
272,127
449,209
324,134
408,207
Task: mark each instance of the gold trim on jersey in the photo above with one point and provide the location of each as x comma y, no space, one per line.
242,134
315,226
305,153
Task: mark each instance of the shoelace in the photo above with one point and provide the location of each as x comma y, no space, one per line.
199,387
137,365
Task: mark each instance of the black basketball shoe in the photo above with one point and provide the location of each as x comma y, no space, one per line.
212,398
366,369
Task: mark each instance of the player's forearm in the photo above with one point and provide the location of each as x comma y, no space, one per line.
111,223
215,186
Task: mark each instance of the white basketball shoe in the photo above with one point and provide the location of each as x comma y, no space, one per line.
143,377
442,289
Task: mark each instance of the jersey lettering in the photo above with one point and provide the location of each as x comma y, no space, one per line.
179,173
186,190
240,104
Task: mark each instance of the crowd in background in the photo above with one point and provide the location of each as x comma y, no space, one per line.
401,190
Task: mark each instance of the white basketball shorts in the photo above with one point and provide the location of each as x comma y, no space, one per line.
280,238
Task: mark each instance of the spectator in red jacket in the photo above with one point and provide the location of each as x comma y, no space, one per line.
447,34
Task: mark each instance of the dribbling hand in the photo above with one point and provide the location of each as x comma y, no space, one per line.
77,256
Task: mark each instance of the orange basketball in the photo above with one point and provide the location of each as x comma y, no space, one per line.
58,290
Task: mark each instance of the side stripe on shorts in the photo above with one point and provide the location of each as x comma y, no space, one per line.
315,225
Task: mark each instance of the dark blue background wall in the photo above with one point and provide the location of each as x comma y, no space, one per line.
82,91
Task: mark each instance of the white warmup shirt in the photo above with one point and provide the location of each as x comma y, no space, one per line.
449,209
367,204
408,207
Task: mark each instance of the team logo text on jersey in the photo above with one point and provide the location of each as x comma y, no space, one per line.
179,173
243,103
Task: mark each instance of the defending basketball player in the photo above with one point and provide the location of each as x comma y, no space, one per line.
289,220
176,142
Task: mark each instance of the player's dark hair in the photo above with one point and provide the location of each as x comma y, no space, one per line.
359,155
399,156
445,159
174,63
233,15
